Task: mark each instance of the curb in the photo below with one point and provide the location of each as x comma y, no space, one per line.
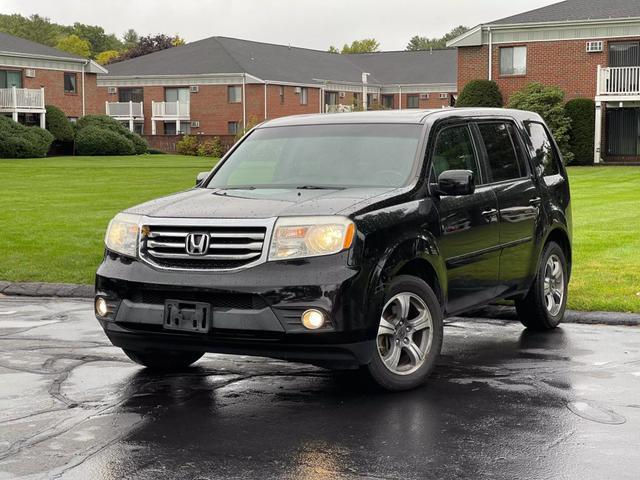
501,312
41,289
496,312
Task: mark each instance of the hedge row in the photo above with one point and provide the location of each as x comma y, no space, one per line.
18,141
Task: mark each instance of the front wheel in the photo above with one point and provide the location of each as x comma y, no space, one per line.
409,337
544,306
164,361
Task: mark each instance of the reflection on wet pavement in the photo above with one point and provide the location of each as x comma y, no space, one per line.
503,403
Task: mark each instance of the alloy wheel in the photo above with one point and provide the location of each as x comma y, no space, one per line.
405,333
553,285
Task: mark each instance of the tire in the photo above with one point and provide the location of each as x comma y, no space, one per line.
416,331
544,305
164,361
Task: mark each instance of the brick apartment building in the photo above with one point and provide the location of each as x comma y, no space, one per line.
218,85
588,48
34,75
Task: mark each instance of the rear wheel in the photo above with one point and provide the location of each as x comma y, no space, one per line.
544,306
164,361
409,337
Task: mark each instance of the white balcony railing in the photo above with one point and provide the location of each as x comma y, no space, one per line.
338,108
619,81
21,99
170,110
124,109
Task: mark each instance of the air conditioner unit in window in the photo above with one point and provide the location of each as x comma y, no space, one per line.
194,88
298,90
195,124
595,46
343,94
112,90
30,73
375,96
424,96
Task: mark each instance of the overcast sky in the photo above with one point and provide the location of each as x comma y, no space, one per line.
303,23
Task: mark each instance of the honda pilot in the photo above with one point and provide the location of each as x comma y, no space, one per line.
343,240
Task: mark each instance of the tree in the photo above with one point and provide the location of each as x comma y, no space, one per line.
35,28
130,38
106,57
366,45
424,43
74,44
582,112
58,124
149,44
548,102
99,41
480,93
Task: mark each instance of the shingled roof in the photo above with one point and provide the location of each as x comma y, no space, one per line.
11,44
576,10
281,63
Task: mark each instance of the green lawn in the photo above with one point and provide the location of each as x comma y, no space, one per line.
55,211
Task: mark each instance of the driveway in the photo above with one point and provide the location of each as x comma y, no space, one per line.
503,403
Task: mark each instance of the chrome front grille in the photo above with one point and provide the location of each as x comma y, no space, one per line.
227,246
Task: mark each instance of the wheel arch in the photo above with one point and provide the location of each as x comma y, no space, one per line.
561,237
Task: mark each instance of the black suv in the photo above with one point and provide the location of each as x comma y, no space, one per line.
343,240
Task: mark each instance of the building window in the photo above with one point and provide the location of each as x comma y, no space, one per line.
356,100
413,101
444,96
234,94
281,94
233,127
513,61
10,78
70,83
131,94
304,95
387,102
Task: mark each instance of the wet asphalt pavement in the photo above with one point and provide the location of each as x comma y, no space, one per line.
503,403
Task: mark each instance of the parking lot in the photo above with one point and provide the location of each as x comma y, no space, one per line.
502,403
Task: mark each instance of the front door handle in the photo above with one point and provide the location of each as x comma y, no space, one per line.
490,213
535,201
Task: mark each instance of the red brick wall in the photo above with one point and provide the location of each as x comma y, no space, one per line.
69,103
434,100
565,64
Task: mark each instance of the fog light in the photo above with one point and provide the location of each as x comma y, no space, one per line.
313,319
102,308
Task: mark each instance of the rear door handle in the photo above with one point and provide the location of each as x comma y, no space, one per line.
490,213
535,201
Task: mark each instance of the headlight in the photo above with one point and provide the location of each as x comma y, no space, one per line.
122,234
298,237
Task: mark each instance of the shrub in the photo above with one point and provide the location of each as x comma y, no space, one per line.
211,148
108,123
582,112
18,141
58,124
94,140
480,93
187,145
548,102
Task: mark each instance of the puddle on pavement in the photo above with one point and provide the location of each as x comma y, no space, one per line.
595,413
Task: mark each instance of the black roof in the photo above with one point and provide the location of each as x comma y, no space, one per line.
576,10
283,63
9,43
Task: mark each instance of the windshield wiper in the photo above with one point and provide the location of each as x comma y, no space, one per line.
317,187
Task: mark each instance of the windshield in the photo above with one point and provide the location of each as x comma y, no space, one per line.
322,156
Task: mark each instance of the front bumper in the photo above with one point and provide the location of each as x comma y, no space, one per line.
255,311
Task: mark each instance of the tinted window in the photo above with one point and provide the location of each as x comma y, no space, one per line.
454,151
504,163
322,155
545,160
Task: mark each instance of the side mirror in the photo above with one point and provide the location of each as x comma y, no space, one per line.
201,177
456,182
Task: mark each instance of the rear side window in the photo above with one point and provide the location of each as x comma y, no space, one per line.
453,150
503,160
545,161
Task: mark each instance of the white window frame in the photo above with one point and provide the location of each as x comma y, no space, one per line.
515,69
304,96
237,96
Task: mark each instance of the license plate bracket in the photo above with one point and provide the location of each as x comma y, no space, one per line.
187,316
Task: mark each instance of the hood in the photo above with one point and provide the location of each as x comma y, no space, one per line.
258,203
